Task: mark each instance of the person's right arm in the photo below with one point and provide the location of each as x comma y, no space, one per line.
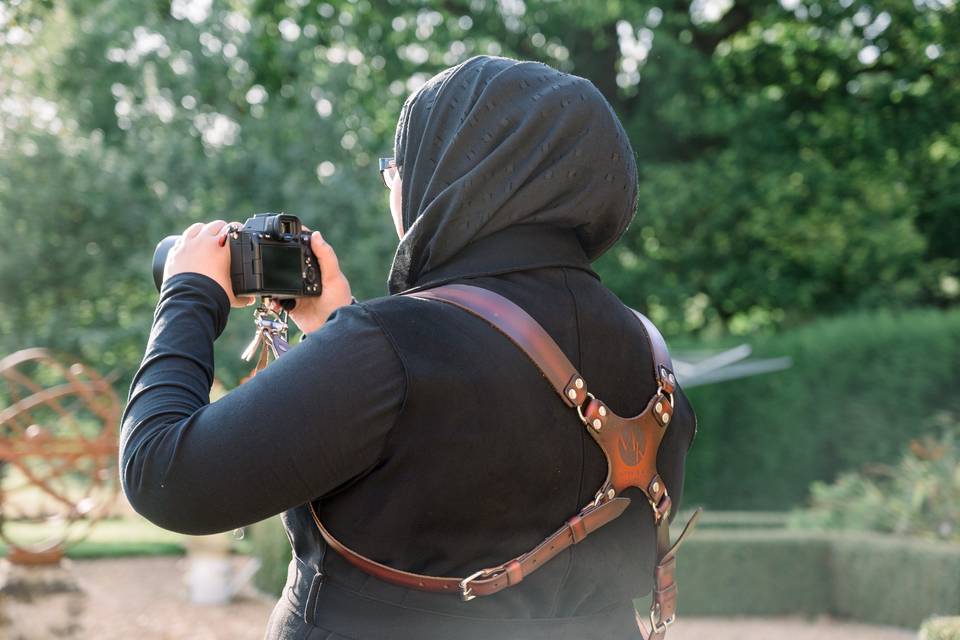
310,421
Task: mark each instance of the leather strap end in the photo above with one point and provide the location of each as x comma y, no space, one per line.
687,528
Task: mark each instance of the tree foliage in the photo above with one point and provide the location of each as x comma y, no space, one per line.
796,158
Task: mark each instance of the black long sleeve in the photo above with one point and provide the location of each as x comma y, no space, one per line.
306,424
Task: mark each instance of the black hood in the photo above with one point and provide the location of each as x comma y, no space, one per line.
495,143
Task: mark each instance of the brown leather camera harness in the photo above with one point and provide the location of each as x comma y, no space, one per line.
629,444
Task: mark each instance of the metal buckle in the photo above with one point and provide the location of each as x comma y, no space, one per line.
583,418
465,593
606,494
659,625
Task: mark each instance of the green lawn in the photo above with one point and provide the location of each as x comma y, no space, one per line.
110,538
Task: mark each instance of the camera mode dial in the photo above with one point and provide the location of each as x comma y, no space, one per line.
310,275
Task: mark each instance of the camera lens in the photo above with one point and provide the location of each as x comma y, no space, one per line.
160,258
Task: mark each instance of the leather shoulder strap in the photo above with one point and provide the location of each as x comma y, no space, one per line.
527,334
658,347
531,338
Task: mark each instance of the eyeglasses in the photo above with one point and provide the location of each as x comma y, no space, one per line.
389,169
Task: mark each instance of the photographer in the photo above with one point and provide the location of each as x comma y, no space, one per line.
423,438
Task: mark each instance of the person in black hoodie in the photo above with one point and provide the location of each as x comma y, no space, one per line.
423,438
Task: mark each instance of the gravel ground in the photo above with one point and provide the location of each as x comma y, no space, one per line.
145,599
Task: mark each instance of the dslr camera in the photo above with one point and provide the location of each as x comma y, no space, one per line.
270,255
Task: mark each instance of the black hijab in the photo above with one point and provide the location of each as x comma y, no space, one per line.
493,143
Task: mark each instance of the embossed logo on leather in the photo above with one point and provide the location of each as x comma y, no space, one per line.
631,448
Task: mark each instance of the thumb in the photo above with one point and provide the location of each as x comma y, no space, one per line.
326,258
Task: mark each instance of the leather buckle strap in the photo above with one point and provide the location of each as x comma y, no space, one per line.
633,442
663,606
466,593
573,531
664,609
487,581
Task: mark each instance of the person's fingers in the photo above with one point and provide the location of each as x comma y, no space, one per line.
225,232
213,228
192,230
326,257
241,301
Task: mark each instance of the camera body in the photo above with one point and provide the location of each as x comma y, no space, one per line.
270,255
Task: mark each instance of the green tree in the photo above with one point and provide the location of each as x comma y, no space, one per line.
796,158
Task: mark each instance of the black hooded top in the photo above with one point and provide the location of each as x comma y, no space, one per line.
494,143
425,439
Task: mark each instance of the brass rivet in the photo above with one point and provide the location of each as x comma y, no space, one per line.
603,410
658,407
656,487
611,493
572,394
597,424
578,383
666,418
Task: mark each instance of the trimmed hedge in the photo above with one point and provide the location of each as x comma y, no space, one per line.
891,580
872,578
762,573
940,629
710,519
861,386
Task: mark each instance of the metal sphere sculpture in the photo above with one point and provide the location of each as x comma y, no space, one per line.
58,454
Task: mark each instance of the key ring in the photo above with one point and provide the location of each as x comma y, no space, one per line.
270,332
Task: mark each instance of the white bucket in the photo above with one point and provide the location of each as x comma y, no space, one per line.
213,579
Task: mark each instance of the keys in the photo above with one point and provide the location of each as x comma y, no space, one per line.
271,334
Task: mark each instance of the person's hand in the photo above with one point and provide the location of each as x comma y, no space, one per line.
203,249
312,311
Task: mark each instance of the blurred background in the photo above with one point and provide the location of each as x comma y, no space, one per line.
799,205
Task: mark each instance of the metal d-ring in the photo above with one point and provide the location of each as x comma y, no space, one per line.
669,396
583,418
